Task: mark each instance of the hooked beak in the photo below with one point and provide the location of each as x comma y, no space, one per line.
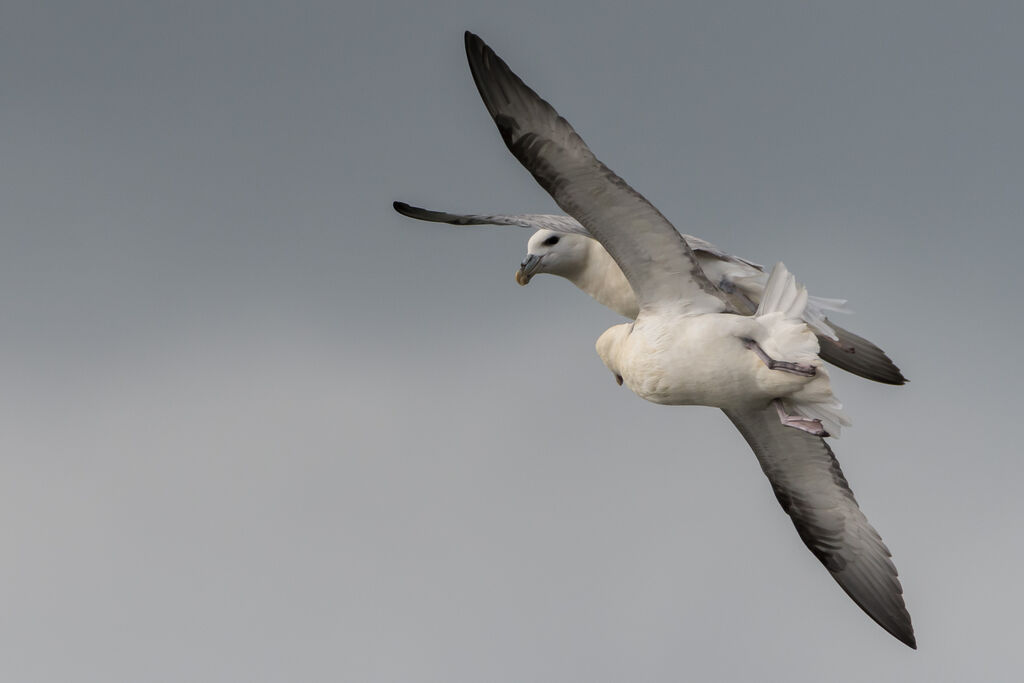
527,269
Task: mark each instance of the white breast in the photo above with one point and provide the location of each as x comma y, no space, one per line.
701,360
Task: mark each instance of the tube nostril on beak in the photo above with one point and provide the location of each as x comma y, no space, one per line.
527,269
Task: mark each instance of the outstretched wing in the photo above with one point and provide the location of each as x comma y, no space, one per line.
812,490
533,221
659,265
849,352
856,354
555,223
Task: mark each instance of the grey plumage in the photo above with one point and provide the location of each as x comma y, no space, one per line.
850,352
655,259
857,355
802,469
811,488
533,221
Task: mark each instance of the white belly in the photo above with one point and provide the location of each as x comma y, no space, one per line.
702,360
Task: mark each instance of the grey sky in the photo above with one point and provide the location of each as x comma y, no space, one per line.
260,427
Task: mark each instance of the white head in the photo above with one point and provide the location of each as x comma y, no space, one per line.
558,253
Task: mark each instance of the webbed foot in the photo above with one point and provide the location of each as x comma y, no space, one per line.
796,422
802,369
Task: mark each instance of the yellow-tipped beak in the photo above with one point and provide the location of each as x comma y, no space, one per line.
527,269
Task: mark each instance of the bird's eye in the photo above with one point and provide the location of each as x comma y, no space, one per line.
551,241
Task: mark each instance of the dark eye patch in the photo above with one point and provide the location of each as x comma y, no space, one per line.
551,241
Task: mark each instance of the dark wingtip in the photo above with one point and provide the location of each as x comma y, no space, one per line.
411,211
475,48
856,354
895,379
901,628
490,73
420,214
474,44
906,637
905,633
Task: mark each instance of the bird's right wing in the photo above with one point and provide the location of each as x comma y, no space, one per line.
812,490
702,245
856,354
555,222
740,280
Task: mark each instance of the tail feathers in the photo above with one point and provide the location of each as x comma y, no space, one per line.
782,295
753,287
826,304
814,314
859,356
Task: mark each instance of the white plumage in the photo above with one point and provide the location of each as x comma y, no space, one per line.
686,344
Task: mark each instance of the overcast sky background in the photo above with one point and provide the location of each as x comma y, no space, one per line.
257,426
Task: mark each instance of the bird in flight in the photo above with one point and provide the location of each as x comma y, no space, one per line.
694,341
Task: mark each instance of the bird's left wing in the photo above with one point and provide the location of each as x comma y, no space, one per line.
659,265
811,488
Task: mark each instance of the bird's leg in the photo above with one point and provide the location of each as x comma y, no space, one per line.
802,369
796,422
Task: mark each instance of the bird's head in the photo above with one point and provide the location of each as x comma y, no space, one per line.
557,253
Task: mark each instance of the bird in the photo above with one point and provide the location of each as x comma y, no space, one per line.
669,285
562,247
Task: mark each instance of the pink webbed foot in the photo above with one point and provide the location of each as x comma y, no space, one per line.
802,369
796,422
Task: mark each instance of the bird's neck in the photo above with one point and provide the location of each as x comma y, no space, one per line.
602,279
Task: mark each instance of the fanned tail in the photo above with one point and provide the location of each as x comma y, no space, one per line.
815,312
785,303
782,295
